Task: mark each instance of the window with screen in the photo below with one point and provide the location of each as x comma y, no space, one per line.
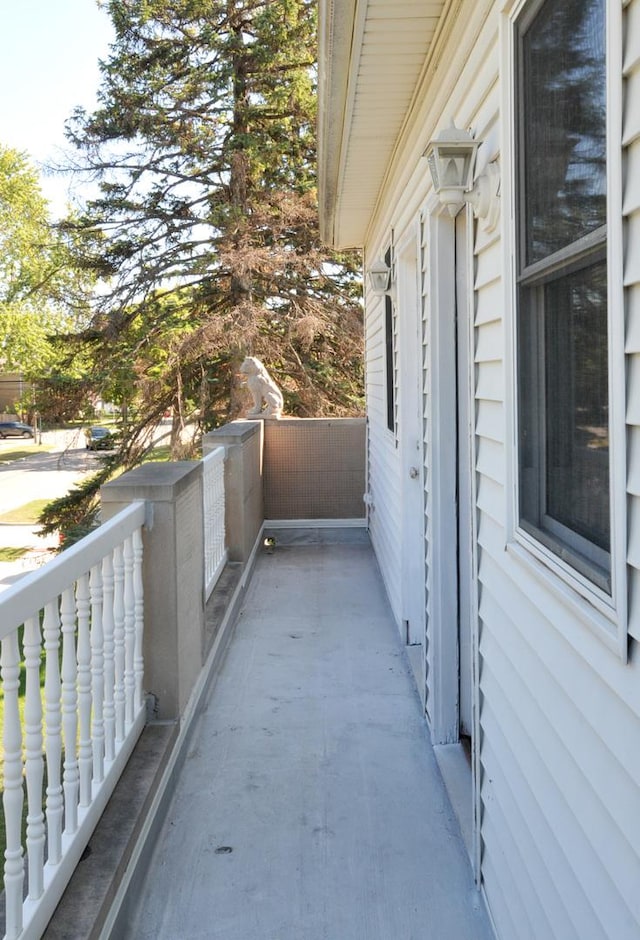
562,328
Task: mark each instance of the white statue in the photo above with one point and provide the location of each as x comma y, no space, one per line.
267,397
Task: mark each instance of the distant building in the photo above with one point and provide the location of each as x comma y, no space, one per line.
12,389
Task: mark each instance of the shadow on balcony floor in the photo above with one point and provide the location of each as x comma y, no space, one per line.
310,805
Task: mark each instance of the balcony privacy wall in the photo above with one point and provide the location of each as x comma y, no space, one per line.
314,468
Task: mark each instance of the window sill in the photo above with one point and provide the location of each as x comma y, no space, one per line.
584,603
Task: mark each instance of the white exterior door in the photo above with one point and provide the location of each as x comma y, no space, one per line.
451,501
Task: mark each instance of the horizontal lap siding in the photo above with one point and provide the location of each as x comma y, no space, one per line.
537,869
560,715
631,209
383,470
548,721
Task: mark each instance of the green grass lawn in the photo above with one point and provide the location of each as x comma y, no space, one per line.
24,515
12,554
160,453
26,450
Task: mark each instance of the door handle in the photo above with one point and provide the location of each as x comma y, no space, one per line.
414,473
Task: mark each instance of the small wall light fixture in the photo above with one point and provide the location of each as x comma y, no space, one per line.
451,157
379,277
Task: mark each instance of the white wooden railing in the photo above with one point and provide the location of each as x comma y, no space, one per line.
215,554
80,619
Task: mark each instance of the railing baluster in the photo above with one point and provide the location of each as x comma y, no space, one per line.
138,660
109,663
208,517
70,775
85,755
13,795
53,740
118,638
34,763
97,673
129,632
87,717
219,509
213,517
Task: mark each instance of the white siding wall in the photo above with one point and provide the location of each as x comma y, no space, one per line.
383,458
631,209
560,778
559,711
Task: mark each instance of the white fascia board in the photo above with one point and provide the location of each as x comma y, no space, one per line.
335,33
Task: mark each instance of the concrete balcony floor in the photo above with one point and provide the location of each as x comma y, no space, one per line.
310,805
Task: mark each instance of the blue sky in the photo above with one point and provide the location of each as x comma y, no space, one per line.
49,51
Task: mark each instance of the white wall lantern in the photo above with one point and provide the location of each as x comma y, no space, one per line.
379,277
451,157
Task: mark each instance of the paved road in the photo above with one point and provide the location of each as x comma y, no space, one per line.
44,475
47,474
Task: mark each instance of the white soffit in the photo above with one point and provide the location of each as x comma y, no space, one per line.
372,53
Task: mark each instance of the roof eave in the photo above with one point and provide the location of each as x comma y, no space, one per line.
335,41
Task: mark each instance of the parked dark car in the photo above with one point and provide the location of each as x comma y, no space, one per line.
15,429
99,439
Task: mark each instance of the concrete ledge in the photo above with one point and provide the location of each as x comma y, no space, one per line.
236,432
454,763
359,523
318,422
219,603
168,480
90,893
312,535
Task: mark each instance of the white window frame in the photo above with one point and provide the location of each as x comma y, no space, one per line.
603,613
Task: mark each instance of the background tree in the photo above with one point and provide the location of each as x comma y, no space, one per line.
204,148
205,226
42,293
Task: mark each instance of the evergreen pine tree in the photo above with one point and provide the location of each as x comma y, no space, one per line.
204,228
203,145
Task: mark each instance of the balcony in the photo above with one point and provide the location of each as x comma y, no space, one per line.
275,773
